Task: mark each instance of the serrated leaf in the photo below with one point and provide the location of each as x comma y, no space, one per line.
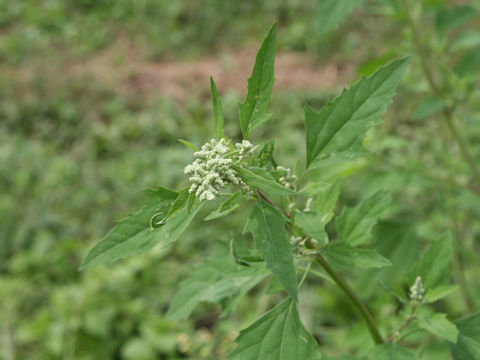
342,256
331,13
258,180
438,293
133,235
354,225
265,156
468,342
433,267
310,222
217,111
215,279
336,133
392,351
226,207
253,111
267,225
439,325
325,201
277,335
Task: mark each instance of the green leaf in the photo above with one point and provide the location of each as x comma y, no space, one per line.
311,223
265,156
331,13
267,225
325,201
469,64
273,286
342,256
213,280
468,343
438,293
428,107
354,225
449,18
433,267
217,111
336,133
258,180
277,335
392,351
133,235
179,202
438,325
253,111
226,207
188,144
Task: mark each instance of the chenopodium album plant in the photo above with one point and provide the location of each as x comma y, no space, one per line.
289,212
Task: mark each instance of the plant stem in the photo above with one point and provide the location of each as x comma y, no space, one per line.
341,283
447,111
403,326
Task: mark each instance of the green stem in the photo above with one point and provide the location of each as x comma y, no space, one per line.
447,112
397,333
342,284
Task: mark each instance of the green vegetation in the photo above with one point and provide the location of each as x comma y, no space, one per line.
87,123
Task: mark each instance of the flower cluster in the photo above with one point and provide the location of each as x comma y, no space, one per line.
298,244
212,168
417,291
243,150
288,180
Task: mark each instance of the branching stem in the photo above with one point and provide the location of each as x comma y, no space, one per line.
342,284
447,111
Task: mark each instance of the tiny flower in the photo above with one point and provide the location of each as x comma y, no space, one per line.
417,291
288,180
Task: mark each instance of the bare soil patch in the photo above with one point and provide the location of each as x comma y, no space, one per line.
131,74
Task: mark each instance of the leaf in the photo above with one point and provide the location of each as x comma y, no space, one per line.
428,107
433,267
342,256
310,222
217,111
265,156
179,202
257,180
226,207
449,18
213,280
133,234
277,335
392,351
267,225
438,325
354,225
188,144
468,64
253,111
325,201
331,13
438,293
336,133
273,286
468,342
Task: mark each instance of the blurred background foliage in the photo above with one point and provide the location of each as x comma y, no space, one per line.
94,94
